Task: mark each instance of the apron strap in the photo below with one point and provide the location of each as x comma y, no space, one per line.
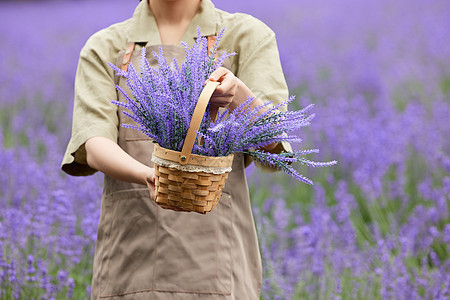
212,39
127,56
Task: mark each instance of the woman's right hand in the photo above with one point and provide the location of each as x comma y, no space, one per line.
150,180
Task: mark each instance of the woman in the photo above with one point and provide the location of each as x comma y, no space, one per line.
143,251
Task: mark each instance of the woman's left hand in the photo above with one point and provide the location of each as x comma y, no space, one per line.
225,93
231,93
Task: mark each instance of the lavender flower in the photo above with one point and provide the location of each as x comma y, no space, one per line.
168,93
164,98
381,104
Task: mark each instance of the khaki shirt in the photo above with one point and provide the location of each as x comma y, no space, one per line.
257,64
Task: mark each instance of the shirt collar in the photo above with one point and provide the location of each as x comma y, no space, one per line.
143,27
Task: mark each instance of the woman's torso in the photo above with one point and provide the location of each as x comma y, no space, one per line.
146,252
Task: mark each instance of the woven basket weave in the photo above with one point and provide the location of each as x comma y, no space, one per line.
190,182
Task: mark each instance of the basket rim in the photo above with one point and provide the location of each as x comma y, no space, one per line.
193,159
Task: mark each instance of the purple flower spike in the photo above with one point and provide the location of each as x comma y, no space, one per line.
163,99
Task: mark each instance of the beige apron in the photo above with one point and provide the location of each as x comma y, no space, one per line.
146,252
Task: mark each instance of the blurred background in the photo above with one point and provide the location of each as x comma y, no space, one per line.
376,226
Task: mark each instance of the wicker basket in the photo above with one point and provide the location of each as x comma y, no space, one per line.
189,182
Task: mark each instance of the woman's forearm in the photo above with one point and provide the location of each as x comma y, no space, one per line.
106,156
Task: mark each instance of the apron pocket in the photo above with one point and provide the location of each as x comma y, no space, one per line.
130,263
193,252
155,249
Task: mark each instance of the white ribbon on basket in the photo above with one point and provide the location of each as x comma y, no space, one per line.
189,168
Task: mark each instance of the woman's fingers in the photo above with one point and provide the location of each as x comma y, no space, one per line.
218,74
150,179
225,92
227,85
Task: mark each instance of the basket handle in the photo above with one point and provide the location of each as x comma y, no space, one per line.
197,117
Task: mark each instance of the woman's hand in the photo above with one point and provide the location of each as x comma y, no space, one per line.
231,93
225,93
150,179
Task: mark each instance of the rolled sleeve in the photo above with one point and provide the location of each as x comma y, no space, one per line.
261,71
93,113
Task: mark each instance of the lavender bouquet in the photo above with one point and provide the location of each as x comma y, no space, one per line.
163,100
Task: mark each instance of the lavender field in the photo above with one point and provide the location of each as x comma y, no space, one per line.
375,226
